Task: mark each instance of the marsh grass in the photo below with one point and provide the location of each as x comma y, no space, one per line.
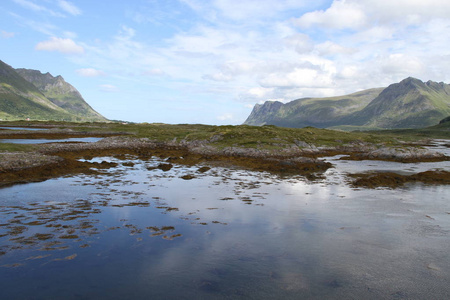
264,137
261,137
8,147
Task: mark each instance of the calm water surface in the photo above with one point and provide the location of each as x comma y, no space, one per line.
45,141
141,233
21,128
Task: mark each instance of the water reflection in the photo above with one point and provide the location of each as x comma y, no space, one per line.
21,128
45,141
143,232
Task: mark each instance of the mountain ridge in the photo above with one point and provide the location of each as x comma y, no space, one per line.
410,103
41,97
60,92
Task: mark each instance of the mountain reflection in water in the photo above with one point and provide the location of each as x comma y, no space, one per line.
141,232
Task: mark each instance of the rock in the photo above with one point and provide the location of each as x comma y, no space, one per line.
165,167
203,169
404,154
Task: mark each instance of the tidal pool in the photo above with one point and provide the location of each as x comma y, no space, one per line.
140,232
21,128
45,141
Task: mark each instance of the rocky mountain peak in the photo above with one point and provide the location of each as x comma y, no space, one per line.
31,93
410,103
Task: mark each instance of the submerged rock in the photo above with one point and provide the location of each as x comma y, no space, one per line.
165,167
393,180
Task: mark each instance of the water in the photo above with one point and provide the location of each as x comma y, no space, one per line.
21,128
45,141
141,233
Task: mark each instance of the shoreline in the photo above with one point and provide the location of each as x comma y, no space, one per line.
52,160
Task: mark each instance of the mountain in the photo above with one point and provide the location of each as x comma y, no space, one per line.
61,93
317,112
445,121
30,94
410,103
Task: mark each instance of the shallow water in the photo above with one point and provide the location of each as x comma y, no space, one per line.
141,233
21,128
45,141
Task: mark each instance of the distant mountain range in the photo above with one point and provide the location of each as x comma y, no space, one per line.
410,103
30,94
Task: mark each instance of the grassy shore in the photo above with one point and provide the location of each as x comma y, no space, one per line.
265,148
269,137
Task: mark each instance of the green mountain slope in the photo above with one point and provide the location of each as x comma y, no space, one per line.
21,99
61,93
317,112
408,104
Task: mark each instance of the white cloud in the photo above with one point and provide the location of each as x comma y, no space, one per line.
70,34
313,72
247,10
7,35
342,14
402,64
331,48
109,88
37,8
218,77
302,43
410,11
225,117
260,92
90,72
41,27
154,72
349,72
30,5
69,7
357,14
66,46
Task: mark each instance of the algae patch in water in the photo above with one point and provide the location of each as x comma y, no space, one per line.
393,180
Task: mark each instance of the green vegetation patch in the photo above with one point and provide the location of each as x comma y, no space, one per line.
8,147
245,136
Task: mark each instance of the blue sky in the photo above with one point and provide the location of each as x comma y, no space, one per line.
200,61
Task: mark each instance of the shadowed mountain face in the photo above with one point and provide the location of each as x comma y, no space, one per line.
30,94
410,103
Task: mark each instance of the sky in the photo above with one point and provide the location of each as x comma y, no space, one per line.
211,61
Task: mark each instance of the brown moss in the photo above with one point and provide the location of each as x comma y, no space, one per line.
393,180
362,156
153,228
69,236
166,237
177,154
165,167
40,173
43,236
203,169
166,228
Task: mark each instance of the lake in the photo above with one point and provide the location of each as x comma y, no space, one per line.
138,232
